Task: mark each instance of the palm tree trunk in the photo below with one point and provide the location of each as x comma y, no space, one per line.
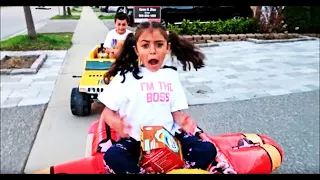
69,11
64,11
257,12
29,21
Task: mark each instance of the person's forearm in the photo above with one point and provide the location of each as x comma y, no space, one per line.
179,117
108,50
186,123
110,116
116,52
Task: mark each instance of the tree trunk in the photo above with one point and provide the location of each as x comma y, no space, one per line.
29,21
257,12
64,11
69,11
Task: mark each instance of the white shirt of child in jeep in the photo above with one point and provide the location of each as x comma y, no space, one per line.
113,37
148,101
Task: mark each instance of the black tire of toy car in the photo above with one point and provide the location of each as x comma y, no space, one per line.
80,103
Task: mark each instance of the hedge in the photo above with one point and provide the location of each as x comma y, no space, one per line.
302,19
315,19
231,26
299,19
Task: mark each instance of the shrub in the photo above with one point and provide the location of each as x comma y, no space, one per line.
297,18
230,26
292,19
302,19
271,20
314,19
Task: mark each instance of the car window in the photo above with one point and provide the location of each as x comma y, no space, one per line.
97,65
178,7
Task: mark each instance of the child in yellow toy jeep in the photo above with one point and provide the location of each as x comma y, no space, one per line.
151,95
115,37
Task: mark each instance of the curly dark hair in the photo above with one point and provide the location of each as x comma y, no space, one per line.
121,16
127,60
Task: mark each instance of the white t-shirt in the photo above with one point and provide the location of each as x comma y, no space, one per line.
148,101
113,37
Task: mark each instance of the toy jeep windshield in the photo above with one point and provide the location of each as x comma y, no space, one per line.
91,83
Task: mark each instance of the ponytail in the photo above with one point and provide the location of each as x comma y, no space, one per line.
125,62
185,52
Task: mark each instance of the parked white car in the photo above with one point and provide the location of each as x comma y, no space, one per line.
115,8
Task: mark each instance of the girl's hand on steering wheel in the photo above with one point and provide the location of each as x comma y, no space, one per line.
122,127
188,125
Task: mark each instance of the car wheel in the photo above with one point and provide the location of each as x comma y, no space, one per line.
120,9
236,16
163,23
80,103
106,9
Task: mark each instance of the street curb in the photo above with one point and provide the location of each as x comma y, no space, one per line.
209,43
301,38
37,64
279,37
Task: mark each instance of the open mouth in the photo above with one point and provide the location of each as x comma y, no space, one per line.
153,61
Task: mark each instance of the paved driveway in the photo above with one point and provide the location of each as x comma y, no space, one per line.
244,70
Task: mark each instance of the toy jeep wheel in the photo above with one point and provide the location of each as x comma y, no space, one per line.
80,103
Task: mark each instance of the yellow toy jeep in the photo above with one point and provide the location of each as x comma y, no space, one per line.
91,83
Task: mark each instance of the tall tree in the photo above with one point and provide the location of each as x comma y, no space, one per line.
29,21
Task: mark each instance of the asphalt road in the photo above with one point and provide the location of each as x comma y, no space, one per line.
19,127
291,120
58,26
13,19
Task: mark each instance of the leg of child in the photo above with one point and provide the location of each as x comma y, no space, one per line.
196,152
123,157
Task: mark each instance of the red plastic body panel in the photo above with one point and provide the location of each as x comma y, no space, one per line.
89,165
261,159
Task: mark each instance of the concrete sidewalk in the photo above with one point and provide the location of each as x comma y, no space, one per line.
61,136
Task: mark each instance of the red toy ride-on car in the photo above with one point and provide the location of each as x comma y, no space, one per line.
238,153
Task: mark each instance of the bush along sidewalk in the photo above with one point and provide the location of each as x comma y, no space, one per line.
231,26
230,30
302,19
289,19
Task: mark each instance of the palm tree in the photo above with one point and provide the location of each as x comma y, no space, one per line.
29,21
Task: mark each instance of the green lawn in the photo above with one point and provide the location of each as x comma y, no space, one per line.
76,9
106,17
75,12
96,10
76,17
45,41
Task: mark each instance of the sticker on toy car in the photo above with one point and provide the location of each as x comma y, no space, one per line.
101,81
